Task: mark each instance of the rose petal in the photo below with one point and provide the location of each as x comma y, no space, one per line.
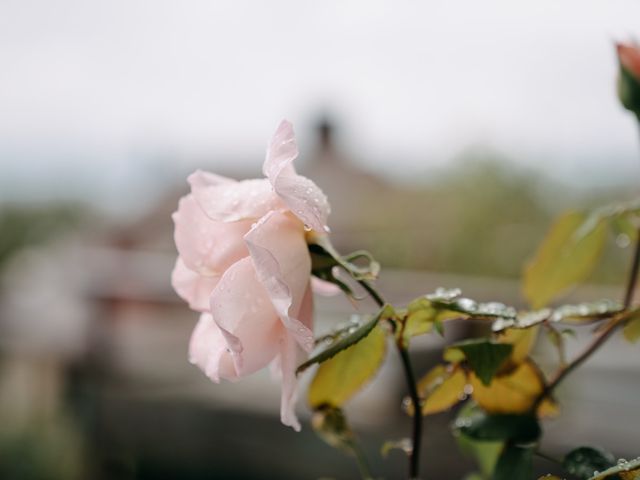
207,350
231,202
281,258
206,246
305,315
194,288
303,197
241,308
290,358
201,179
281,152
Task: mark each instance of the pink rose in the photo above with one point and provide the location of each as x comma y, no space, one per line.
244,264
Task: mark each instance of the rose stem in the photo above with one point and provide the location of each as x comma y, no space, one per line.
414,457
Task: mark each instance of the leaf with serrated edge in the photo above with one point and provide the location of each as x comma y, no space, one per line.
349,340
342,376
566,257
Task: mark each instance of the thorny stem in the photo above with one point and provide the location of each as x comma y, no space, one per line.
414,457
604,334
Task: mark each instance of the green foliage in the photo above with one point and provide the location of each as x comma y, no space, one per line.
484,357
514,463
485,453
343,375
501,427
351,337
566,257
324,258
583,461
509,391
496,442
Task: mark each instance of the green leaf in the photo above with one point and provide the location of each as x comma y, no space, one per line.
566,257
485,453
342,376
623,470
484,357
324,257
631,330
583,461
347,341
515,463
501,427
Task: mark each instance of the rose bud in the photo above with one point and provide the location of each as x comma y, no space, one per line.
629,76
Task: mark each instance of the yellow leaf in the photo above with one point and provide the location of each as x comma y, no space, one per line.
514,392
567,255
441,388
523,341
631,330
341,377
453,355
421,316
548,408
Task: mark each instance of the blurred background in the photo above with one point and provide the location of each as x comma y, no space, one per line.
446,135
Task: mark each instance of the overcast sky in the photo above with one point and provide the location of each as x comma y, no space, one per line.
104,88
